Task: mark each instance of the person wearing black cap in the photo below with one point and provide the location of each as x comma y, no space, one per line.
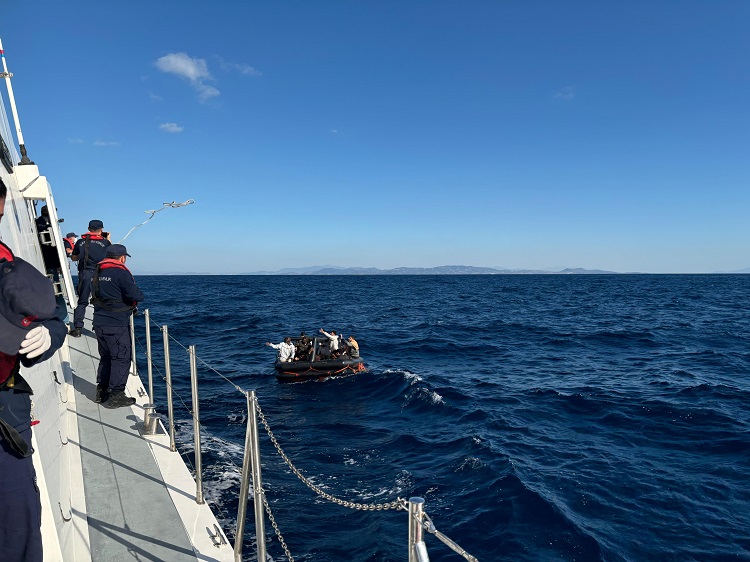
30,332
90,249
115,296
69,241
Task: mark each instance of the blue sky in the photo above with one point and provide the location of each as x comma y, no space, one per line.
534,134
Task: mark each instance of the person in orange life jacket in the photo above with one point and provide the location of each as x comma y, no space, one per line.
69,241
115,296
30,332
88,251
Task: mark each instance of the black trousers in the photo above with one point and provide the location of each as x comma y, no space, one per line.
84,294
116,355
20,508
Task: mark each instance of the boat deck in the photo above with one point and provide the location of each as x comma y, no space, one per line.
131,513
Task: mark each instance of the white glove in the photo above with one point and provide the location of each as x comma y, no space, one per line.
37,341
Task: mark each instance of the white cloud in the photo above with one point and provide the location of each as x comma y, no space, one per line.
75,141
183,65
240,67
194,70
171,128
567,93
106,143
155,97
206,92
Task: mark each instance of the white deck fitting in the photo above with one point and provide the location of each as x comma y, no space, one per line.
132,513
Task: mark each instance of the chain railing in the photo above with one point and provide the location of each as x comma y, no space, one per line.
418,520
398,503
276,527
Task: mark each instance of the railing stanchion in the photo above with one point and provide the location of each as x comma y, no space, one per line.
251,461
132,344
417,548
244,484
260,528
196,426
168,371
148,358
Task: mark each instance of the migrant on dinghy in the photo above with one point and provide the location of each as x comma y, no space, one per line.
304,358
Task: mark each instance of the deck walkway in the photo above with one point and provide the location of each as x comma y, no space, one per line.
132,513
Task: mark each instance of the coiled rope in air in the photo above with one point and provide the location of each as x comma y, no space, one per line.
172,205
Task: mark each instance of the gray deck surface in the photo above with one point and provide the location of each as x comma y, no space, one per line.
130,513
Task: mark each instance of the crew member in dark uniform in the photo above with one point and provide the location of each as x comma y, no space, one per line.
30,332
50,257
69,241
115,296
49,252
90,249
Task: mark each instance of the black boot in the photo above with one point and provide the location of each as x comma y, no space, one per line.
118,400
75,332
101,394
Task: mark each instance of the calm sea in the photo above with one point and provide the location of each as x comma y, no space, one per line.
541,417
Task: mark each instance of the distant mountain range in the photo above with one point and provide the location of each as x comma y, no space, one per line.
440,270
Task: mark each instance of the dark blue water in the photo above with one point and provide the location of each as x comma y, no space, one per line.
541,417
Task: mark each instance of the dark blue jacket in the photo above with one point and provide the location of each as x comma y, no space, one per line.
14,401
114,294
96,253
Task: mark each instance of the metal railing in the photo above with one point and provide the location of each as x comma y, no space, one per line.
251,460
418,520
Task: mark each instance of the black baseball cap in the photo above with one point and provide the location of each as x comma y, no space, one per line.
96,224
26,300
117,250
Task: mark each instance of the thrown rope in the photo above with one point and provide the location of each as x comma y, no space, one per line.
172,205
